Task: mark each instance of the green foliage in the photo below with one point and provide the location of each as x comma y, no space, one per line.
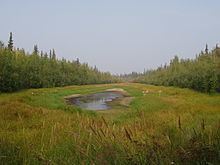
20,70
10,42
177,126
201,74
35,50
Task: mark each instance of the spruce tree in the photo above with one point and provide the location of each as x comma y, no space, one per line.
46,55
10,42
53,55
41,54
50,54
77,61
206,49
35,50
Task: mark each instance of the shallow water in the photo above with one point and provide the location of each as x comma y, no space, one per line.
97,101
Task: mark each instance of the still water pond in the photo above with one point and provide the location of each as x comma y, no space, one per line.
97,101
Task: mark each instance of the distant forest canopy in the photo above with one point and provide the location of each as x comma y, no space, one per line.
21,70
201,74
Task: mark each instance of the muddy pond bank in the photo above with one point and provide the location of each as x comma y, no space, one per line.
100,100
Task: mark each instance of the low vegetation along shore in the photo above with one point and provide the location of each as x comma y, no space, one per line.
162,125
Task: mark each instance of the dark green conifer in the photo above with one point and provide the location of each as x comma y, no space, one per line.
10,42
41,53
53,55
50,54
77,61
36,51
206,49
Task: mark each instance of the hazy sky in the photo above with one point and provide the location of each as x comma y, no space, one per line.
115,35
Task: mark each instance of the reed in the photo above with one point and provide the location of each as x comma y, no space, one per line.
171,128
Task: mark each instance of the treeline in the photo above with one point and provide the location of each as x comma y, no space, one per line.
201,74
21,70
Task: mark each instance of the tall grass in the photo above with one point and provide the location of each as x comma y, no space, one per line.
176,127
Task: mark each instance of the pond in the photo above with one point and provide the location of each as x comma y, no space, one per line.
97,101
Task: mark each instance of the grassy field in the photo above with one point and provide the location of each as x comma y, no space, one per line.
174,126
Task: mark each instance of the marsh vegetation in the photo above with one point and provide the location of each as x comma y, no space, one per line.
177,125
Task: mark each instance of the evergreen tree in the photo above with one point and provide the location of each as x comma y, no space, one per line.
20,70
53,55
10,42
36,51
50,54
41,54
202,73
206,49
77,61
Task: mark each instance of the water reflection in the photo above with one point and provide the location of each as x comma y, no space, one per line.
97,101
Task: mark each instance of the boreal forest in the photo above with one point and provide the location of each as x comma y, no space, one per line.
201,73
22,70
